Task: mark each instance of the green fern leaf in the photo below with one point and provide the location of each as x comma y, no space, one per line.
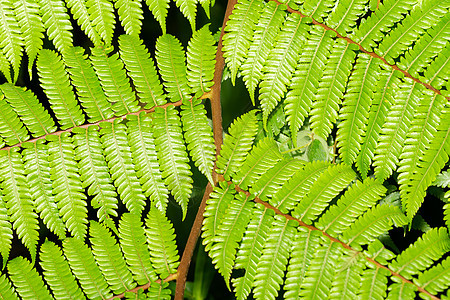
109,258
37,168
263,157
131,15
159,291
395,128
6,233
188,8
11,40
420,255
218,202
281,62
31,27
27,280
356,106
201,54
346,283
5,67
436,279
172,155
372,29
101,13
37,120
57,23
356,200
229,233
303,248
6,289
306,78
344,16
80,13
436,74
94,172
401,290
159,9
250,250
12,130
328,185
55,82
82,263
443,179
239,30
110,70
275,255
383,97
57,273
134,247
237,144
266,30
318,9
331,88
66,182
17,198
374,283
116,151
86,82
172,66
198,135
299,185
141,69
142,145
161,243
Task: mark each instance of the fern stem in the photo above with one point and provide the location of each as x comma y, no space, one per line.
171,277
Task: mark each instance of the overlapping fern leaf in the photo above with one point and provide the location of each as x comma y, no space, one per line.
318,237
385,93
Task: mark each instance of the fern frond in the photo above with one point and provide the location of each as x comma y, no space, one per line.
66,182
94,172
80,12
436,279
401,290
116,151
172,155
328,185
57,273
317,9
31,27
17,198
110,70
55,82
355,110
420,255
5,67
266,30
443,179
87,85
134,247
198,136
298,186
263,157
141,69
395,128
172,67
161,243
109,258
159,9
12,130
433,160
250,250
6,233
101,13
229,233
142,146
306,78
159,291
345,14
26,279
217,204
237,144
346,282
11,40
281,62
37,168
275,255
239,30
303,248
188,8
331,88
131,15
372,29
201,53
355,201
82,263
37,120
6,289
57,23
374,283
436,73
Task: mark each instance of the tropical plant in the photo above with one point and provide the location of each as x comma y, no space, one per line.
323,190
